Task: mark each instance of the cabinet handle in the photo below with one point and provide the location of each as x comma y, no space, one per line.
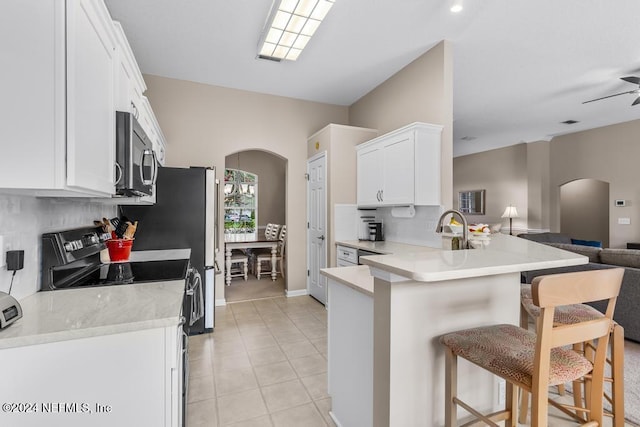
382,195
378,195
118,173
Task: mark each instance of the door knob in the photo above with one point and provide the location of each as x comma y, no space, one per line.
321,237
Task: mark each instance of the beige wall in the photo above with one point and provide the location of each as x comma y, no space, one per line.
420,92
203,124
579,197
608,154
503,173
538,171
272,173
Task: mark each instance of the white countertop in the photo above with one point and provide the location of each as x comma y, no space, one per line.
357,277
85,312
384,247
504,254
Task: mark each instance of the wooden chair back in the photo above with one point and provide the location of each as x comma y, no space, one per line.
564,289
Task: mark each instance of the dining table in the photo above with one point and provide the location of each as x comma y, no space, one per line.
250,244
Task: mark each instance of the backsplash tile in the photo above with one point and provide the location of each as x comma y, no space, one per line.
419,230
23,220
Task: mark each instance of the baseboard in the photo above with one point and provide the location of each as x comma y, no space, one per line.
335,420
296,293
221,302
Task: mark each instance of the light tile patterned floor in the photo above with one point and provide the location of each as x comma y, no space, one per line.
266,365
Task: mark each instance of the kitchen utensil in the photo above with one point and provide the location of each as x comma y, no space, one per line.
120,226
131,230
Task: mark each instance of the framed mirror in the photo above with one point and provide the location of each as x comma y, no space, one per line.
471,202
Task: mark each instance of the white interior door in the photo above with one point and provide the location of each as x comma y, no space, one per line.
317,226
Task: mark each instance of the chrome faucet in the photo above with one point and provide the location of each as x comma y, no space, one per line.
465,226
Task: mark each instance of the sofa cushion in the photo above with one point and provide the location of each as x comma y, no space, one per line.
588,251
546,237
621,257
594,243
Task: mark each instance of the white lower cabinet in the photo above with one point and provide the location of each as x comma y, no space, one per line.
400,168
350,356
125,379
58,123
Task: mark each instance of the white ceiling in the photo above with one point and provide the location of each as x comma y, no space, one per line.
520,66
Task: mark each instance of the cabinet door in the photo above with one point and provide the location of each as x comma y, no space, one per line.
90,97
369,176
398,187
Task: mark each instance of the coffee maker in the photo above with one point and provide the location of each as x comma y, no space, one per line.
375,232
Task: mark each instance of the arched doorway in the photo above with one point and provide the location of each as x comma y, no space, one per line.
584,210
270,171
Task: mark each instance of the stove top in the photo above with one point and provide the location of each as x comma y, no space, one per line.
71,259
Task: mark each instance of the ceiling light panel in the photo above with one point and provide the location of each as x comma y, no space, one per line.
292,24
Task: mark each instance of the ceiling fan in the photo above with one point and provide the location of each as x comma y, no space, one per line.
630,79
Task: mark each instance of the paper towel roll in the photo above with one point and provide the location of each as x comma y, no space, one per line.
403,211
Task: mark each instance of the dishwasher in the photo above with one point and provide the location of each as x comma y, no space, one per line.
362,252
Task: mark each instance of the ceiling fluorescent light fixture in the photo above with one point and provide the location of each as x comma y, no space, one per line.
290,26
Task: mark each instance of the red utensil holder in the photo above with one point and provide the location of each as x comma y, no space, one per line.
119,249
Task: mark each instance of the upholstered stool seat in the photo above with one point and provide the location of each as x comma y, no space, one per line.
508,351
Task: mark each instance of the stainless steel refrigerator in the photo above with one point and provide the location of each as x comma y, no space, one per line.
184,216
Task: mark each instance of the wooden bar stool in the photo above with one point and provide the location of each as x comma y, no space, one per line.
575,313
533,361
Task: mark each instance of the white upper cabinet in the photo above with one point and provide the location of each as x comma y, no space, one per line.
68,68
58,122
400,168
129,82
90,92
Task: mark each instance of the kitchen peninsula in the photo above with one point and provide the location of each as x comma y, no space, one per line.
386,366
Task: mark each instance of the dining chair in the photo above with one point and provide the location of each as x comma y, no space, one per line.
575,313
239,265
271,231
265,260
533,361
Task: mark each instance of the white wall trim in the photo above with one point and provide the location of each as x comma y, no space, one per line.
296,293
221,302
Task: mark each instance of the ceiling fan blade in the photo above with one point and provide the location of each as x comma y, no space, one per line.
636,102
631,79
611,96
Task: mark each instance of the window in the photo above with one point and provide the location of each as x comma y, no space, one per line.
240,205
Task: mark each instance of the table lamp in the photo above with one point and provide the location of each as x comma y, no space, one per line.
510,212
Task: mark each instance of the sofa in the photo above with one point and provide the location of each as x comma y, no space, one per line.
627,311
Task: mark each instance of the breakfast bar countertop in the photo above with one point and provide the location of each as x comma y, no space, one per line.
504,254
87,312
356,277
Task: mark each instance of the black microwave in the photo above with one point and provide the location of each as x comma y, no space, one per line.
136,164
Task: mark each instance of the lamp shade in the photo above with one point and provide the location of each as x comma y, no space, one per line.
510,212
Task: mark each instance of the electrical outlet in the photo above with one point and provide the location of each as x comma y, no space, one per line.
624,221
3,257
502,392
